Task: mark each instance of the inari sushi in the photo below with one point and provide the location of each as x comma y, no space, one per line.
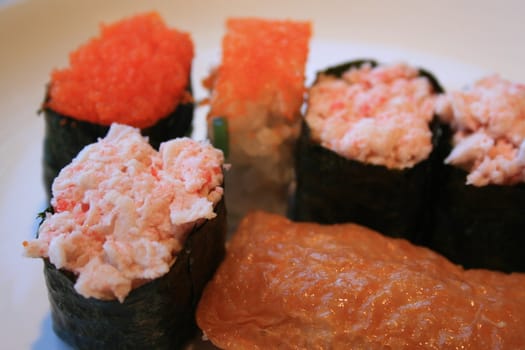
367,147
480,191
132,238
256,95
136,72
286,285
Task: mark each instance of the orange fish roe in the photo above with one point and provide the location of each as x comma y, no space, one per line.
263,64
134,73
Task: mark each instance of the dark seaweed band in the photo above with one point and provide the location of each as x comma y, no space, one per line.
333,189
66,136
338,70
477,227
157,315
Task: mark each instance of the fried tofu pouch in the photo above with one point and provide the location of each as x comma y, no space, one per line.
308,286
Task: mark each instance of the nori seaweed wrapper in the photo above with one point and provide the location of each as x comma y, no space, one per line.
157,315
65,136
477,227
333,189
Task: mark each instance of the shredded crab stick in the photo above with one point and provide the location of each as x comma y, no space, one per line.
488,119
293,285
378,115
134,73
122,210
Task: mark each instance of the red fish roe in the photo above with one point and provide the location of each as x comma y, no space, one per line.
134,73
263,64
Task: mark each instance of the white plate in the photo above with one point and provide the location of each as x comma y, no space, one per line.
457,40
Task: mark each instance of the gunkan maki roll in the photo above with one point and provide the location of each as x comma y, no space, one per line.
136,72
132,238
480,190
367,147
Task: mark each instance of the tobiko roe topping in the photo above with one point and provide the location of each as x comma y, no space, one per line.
134,73
488,120
378,115
122,210
262,69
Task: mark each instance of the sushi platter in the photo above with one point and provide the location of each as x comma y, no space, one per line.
280,55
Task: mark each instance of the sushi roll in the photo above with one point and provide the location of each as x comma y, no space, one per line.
344,286
256,95
136,72
367,147
480,190
132,238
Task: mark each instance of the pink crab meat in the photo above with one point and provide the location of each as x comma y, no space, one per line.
375,115
122,210
488,119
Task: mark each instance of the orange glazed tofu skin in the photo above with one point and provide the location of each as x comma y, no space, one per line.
134,73
303,285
